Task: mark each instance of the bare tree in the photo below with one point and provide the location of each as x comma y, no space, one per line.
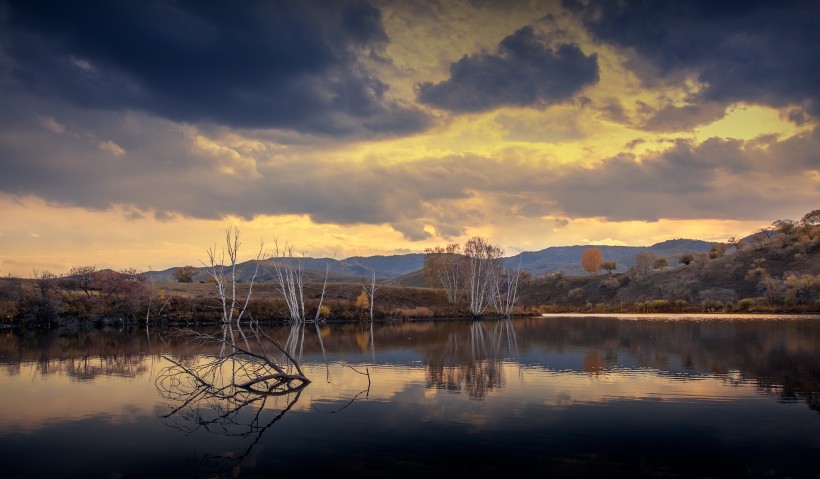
154,294
444,267
43,282
644,262
241,392
290,276
215,392
42,305
371,293
251,362
506,290
233,308
483,263
125,290
82,278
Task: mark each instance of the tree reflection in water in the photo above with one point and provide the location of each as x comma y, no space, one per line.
474,365
240,392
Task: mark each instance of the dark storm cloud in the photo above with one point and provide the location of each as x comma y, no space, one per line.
757,51
523,72
290,65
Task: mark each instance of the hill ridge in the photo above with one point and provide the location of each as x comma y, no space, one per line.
565,258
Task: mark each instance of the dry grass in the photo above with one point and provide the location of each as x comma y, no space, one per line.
416,312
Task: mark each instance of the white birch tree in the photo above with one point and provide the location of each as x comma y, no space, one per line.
289,273
483,261
225,276
371,293
506,290
444,267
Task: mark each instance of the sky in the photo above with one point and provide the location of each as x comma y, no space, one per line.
133,133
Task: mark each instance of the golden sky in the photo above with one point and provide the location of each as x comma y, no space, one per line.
387,127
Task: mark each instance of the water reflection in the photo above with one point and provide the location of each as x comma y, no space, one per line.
242,391
88,368
222,408
781,357
473,364
566,396
84,356
593,363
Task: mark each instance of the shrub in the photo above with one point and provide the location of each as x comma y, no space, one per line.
185,274
712,305
416,312
745,304
659,305
801,289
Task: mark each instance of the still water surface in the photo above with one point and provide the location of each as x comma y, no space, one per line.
555,397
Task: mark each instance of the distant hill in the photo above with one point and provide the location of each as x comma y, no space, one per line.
352,269
568,258
386,266
403,269
779,273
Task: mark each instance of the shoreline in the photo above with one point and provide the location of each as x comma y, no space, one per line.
103,323
689,316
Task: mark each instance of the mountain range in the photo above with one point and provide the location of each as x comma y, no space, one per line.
555,258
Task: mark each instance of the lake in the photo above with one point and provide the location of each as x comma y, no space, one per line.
562,396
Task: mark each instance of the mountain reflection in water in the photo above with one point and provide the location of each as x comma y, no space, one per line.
559,396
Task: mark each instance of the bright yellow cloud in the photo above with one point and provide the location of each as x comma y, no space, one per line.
746,122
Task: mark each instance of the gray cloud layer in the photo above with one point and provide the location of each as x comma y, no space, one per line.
726,179
164,172
757,51
289,65
524,72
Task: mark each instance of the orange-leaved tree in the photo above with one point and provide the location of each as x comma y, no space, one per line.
591,260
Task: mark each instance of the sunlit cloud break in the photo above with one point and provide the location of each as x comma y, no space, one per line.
383,127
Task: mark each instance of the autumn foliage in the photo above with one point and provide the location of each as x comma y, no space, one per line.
591,260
